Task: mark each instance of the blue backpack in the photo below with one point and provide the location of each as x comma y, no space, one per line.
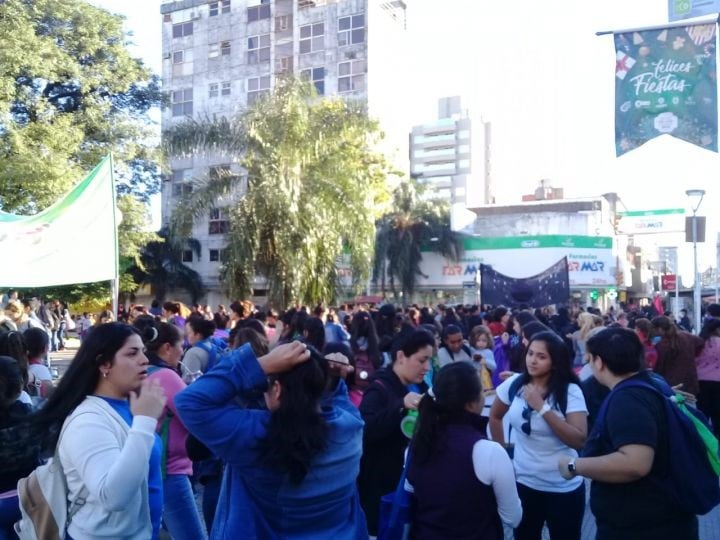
691,480
210,347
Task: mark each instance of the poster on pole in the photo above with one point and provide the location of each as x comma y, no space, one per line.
666,83
549,287
688,9
72,241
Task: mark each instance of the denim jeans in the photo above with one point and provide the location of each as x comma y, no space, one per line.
53,340
9,514
61,335
180,512
211,494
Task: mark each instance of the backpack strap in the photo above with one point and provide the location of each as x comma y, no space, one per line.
211,349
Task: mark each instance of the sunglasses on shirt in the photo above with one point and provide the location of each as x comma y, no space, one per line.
526,414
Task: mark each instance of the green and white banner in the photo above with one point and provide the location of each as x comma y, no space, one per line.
666,83
72,241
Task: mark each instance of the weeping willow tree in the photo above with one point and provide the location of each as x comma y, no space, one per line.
313,178
412,226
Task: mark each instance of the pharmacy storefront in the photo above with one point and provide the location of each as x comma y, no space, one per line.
591,265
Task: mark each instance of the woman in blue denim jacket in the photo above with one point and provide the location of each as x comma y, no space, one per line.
291,469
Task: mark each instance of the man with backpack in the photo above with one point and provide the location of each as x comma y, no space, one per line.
649,466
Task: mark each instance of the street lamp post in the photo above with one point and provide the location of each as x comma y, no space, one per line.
696,197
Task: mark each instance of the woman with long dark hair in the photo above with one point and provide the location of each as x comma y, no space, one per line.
102,419
708,370
164,349
548,417
291,469
463,485
676,354
367,357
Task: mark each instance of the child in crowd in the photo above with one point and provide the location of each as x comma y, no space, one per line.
481,342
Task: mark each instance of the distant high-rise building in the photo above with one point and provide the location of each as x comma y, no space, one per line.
220,56
452,160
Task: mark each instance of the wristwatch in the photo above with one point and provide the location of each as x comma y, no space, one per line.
544,409
571,467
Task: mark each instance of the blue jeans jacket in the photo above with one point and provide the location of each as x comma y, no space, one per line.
257,502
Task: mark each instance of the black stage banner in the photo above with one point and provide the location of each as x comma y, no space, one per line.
549,287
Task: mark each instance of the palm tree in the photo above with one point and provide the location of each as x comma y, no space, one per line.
162,267
413,226
313,177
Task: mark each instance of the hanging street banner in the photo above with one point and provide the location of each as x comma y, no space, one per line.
549,287
72,241
666,83
688,9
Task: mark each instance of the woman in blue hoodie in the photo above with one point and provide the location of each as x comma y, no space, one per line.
291,469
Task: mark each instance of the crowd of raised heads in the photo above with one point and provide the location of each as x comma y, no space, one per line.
321,422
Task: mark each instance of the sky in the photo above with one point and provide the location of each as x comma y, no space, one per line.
538,72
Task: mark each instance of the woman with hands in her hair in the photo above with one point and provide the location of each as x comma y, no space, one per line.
548,417
102,420
291,469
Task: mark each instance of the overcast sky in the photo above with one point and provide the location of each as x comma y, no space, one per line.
537,71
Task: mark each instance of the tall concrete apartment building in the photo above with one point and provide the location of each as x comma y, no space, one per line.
451,156
220,56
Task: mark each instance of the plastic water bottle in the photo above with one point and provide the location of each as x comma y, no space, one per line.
407,424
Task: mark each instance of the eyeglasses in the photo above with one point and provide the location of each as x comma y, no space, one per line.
526,414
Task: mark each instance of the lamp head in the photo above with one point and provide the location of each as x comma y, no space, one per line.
696,197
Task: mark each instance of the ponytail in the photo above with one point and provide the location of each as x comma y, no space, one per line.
456,386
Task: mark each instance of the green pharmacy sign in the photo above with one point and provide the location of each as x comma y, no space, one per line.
666,83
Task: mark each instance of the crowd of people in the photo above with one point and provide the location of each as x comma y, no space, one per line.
298,424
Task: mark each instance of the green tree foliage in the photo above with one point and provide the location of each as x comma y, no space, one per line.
313,178
413,225
70,93
162,268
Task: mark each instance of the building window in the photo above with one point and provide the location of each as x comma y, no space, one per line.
351,30
216,49
182,63
258,49
257,87
312,38
283,23
351,76
257,13
181,190
182,29
317,77
226,88
218,255
187,255
181,185
218,223
222,6
213,90
182,102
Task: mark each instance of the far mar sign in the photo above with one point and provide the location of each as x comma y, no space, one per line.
666,83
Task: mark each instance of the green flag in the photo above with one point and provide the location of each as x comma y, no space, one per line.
666,83
72,241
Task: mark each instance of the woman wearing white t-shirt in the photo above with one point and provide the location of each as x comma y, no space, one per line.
548,417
